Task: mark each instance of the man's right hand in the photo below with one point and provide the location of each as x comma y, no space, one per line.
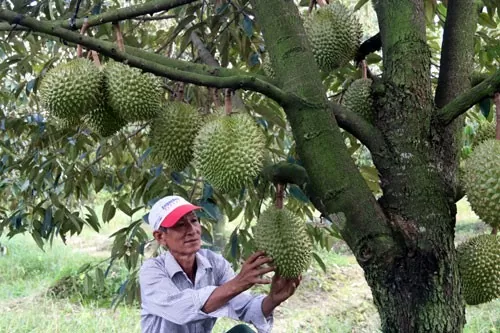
251,271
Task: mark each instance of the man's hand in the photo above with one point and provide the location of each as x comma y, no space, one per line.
281,290
251,272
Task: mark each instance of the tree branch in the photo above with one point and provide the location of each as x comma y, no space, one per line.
370,45
150,7
210,60
457,51
366,133
468,99
176,70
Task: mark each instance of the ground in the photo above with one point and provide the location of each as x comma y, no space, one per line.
336,301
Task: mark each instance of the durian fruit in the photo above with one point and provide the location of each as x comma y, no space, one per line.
104,121
72,89
229,151
485,131
334,34
482,181
132,94
283,237
479,265
172,134
267,66
358,98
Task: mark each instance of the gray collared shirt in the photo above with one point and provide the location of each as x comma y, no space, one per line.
171,303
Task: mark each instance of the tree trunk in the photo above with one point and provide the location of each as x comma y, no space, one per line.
404,242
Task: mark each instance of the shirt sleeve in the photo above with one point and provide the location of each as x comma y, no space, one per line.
245,306
160,297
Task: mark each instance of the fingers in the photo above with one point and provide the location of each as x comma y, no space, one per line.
254,256
265,270
262,281
260,261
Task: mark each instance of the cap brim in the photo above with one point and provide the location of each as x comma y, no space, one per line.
172,218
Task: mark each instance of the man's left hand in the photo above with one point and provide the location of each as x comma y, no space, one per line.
282,288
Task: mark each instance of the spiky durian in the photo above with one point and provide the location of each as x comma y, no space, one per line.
229,151
131,93
358,98
283,237
482,181
104,121
72,89
485,131
479,265
334,34
172,134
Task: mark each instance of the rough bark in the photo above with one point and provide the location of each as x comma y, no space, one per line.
421,291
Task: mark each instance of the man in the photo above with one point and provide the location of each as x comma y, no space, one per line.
187,288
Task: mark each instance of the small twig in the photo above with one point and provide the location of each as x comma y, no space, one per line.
119,36
364,67
228,105
280,195
180,92
79,48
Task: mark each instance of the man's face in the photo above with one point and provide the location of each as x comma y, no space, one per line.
184,237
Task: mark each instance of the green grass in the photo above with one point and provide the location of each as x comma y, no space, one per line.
338,301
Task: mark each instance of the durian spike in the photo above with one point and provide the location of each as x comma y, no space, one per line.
85,26
228,104
118,36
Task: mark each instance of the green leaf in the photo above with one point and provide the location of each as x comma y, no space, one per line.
486,20
360,4
92,219
108,211
319,261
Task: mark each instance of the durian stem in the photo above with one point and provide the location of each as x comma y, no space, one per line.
119,36
79,48
215,97
494,231
180,92
497,107
228,105
280,195
322,3
364,68
95,57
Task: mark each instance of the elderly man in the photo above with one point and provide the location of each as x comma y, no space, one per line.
187,288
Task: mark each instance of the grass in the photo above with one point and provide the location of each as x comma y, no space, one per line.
339,301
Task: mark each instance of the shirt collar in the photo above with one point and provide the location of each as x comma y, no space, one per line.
173,267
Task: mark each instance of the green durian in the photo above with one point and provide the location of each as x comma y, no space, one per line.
173,132
358,99
283,236
481,181
229,151
334,34
132,94
72,89
479,265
